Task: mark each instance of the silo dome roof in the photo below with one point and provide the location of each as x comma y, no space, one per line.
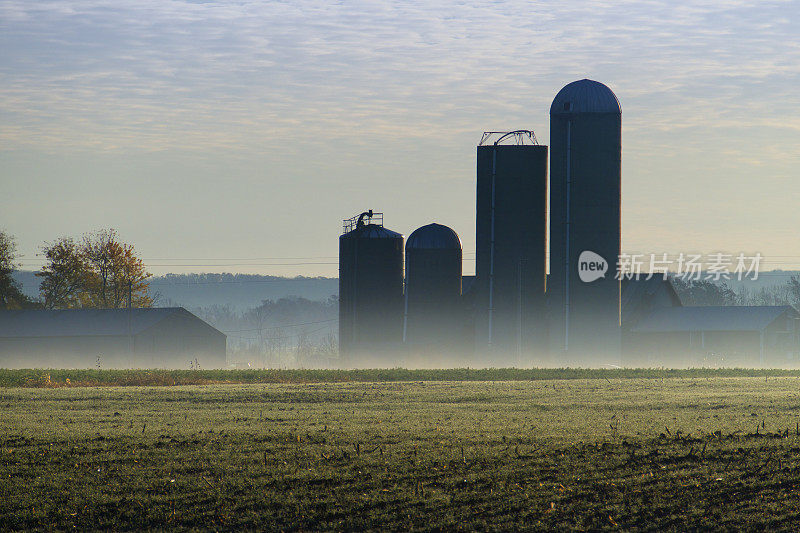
373,231
434,236
585,96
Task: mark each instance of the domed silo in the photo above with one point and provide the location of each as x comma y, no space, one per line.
585,187
433,287
370,289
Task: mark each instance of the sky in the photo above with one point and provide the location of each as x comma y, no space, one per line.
236,136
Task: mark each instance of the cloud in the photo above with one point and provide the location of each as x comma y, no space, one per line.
307,92
219,75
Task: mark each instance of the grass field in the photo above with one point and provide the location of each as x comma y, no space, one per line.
605,453
91,377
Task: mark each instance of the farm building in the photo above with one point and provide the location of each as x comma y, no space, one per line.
109,338
642,296
728,336
658,330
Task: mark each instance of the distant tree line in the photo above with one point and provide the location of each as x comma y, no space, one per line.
708,292
228,277
239,291
703,292
94,271
281,333
784,294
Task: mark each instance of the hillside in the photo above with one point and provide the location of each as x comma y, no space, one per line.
237,291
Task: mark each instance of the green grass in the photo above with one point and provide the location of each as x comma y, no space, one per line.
607,453
62,378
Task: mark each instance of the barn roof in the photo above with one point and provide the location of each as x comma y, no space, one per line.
84,322
712,318
639,293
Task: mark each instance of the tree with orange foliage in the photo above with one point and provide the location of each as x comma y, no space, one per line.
97,272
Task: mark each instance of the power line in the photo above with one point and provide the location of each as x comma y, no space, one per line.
153,260
39,257
151,264
157,282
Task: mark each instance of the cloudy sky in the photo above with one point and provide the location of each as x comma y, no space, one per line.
235,136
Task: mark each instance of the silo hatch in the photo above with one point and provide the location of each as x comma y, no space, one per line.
517,137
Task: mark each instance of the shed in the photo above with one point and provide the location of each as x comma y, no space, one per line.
170,337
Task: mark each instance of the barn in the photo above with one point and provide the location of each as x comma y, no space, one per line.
170,337
746,336
658,331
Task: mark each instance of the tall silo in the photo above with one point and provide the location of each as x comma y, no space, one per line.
433,319
585,186
370,291
511,243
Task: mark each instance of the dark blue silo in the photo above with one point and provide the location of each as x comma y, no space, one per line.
511,242
370,291
433,318
585,187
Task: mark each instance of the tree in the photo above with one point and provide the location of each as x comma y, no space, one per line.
97,272
793,291
703,292
114,272
11,295
63,277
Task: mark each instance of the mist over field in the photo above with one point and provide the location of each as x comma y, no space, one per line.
277,322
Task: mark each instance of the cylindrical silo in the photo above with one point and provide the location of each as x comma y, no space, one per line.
511,243
585,186
370,291
433,288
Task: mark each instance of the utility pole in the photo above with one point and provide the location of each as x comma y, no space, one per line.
130,332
